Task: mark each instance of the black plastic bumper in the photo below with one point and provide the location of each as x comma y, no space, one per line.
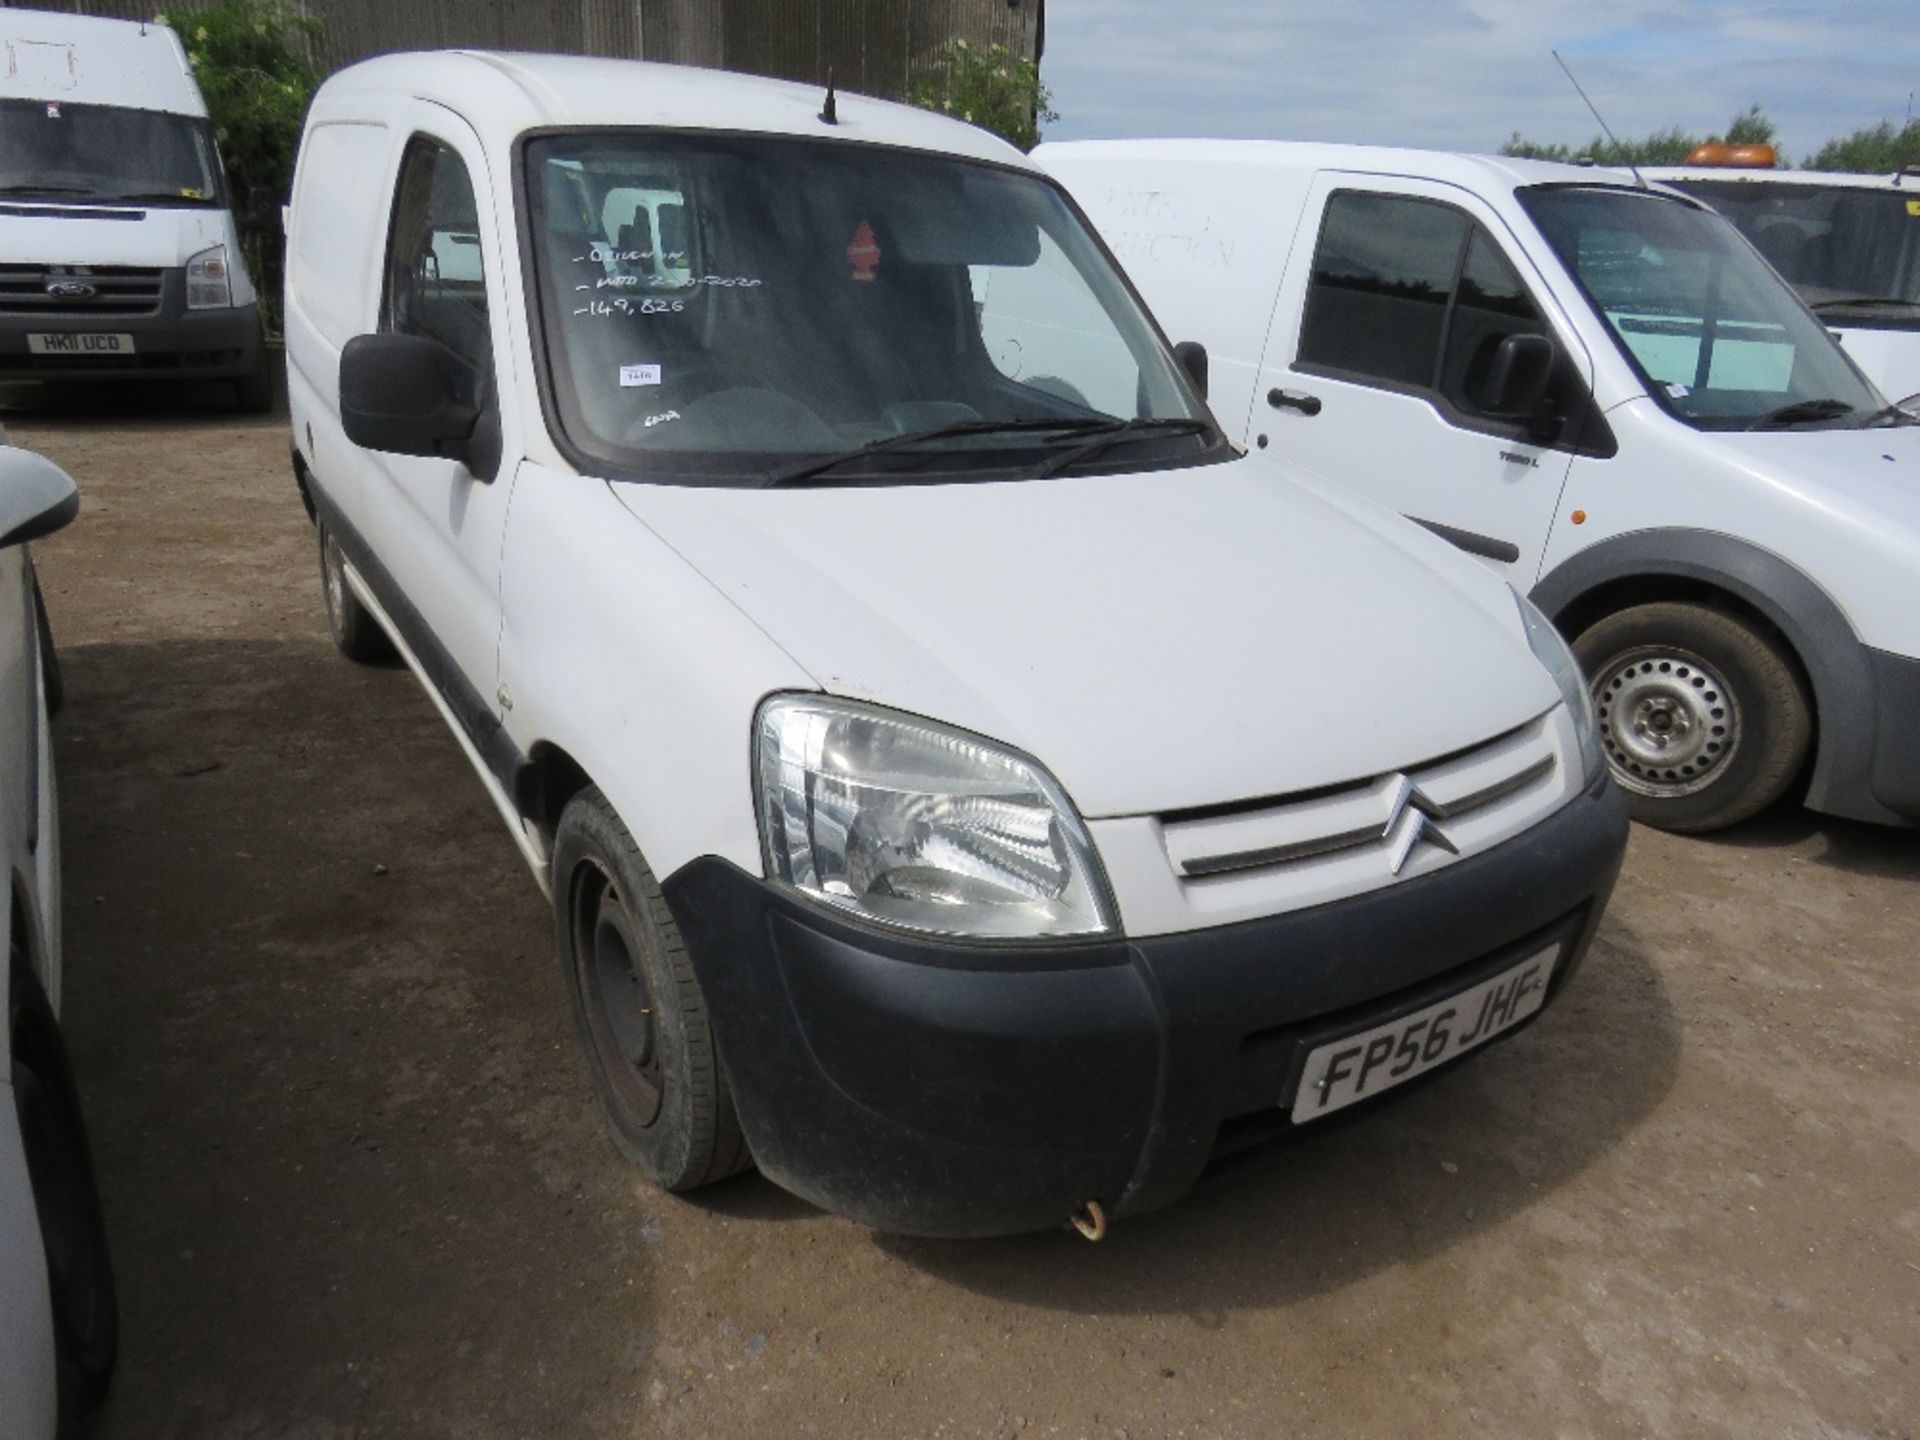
1896,745
939,1088
169,342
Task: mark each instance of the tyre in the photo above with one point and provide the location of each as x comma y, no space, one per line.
355,631
253,392
86,1317
1704,718
52,681
637,1006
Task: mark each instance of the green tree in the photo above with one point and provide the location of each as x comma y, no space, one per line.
249,58
1876,150
988,86
1663,147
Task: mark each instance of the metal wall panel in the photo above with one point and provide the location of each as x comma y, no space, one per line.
874,46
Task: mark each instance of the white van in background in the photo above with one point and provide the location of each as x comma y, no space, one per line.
119,258
1601,390
1850,244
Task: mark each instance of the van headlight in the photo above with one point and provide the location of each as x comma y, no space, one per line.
209,280
1553,652
907,822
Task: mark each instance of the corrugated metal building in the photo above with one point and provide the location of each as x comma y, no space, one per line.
873,46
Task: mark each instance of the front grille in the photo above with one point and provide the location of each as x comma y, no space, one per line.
1350,838
117,290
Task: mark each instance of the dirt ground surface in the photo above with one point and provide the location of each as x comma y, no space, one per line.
357,1186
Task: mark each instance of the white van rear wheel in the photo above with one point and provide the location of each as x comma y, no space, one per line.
1704,719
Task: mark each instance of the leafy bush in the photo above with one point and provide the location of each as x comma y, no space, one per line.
1663,147
1877,150
988,86
250,60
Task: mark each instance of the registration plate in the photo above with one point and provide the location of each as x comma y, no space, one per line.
83,344
1359,1066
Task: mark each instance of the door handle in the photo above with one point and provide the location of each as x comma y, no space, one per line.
1290,400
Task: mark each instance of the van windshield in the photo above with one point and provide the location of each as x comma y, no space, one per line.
745,311
1852,253
1721,342
58,150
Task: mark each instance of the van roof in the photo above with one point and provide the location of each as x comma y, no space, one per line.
1477,172
89,60
1667,174
502,94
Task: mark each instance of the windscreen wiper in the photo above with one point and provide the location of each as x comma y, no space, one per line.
155,197
48,190
1849,301
1119,431
1803,412
808,469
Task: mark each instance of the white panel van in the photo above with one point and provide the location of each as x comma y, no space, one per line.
967,788
119,259
1601,390
1850,244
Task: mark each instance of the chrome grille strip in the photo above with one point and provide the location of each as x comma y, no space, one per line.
1391,815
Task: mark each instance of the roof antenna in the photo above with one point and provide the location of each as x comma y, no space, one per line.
829,113
1638,178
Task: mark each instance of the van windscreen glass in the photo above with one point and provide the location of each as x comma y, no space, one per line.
1722,342
1853,253
56,150
743,311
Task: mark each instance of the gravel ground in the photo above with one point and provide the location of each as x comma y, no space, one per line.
357,1187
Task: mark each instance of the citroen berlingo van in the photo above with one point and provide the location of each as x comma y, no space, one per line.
966,787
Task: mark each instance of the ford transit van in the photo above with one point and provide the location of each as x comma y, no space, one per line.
119,259
1602,391
966,787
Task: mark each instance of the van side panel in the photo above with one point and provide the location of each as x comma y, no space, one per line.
1207,241
338,219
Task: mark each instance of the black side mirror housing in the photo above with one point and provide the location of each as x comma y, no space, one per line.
37,497
1192,356
262,202
1517,382
408,395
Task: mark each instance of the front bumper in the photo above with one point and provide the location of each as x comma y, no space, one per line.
169,341
936,1087
1895,775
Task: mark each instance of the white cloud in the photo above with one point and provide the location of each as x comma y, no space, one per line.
1464,74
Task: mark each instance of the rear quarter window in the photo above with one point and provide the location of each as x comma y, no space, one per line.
338,220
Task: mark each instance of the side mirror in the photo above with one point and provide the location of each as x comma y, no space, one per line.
408,395
1517,382
37,497
1192,356
262,201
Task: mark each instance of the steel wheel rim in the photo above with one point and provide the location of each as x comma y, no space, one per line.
620,1011
333,576
1670,723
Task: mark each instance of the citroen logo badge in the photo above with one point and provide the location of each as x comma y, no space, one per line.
1411,821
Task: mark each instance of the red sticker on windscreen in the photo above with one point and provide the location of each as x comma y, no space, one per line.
863,254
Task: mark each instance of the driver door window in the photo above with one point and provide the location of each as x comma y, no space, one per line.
436,267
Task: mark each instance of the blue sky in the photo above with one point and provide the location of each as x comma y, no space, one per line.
1464,74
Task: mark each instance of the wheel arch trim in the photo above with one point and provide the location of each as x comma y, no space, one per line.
1821,637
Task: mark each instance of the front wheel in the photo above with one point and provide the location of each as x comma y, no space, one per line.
357,634
637,1006
86,1323
1704,718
